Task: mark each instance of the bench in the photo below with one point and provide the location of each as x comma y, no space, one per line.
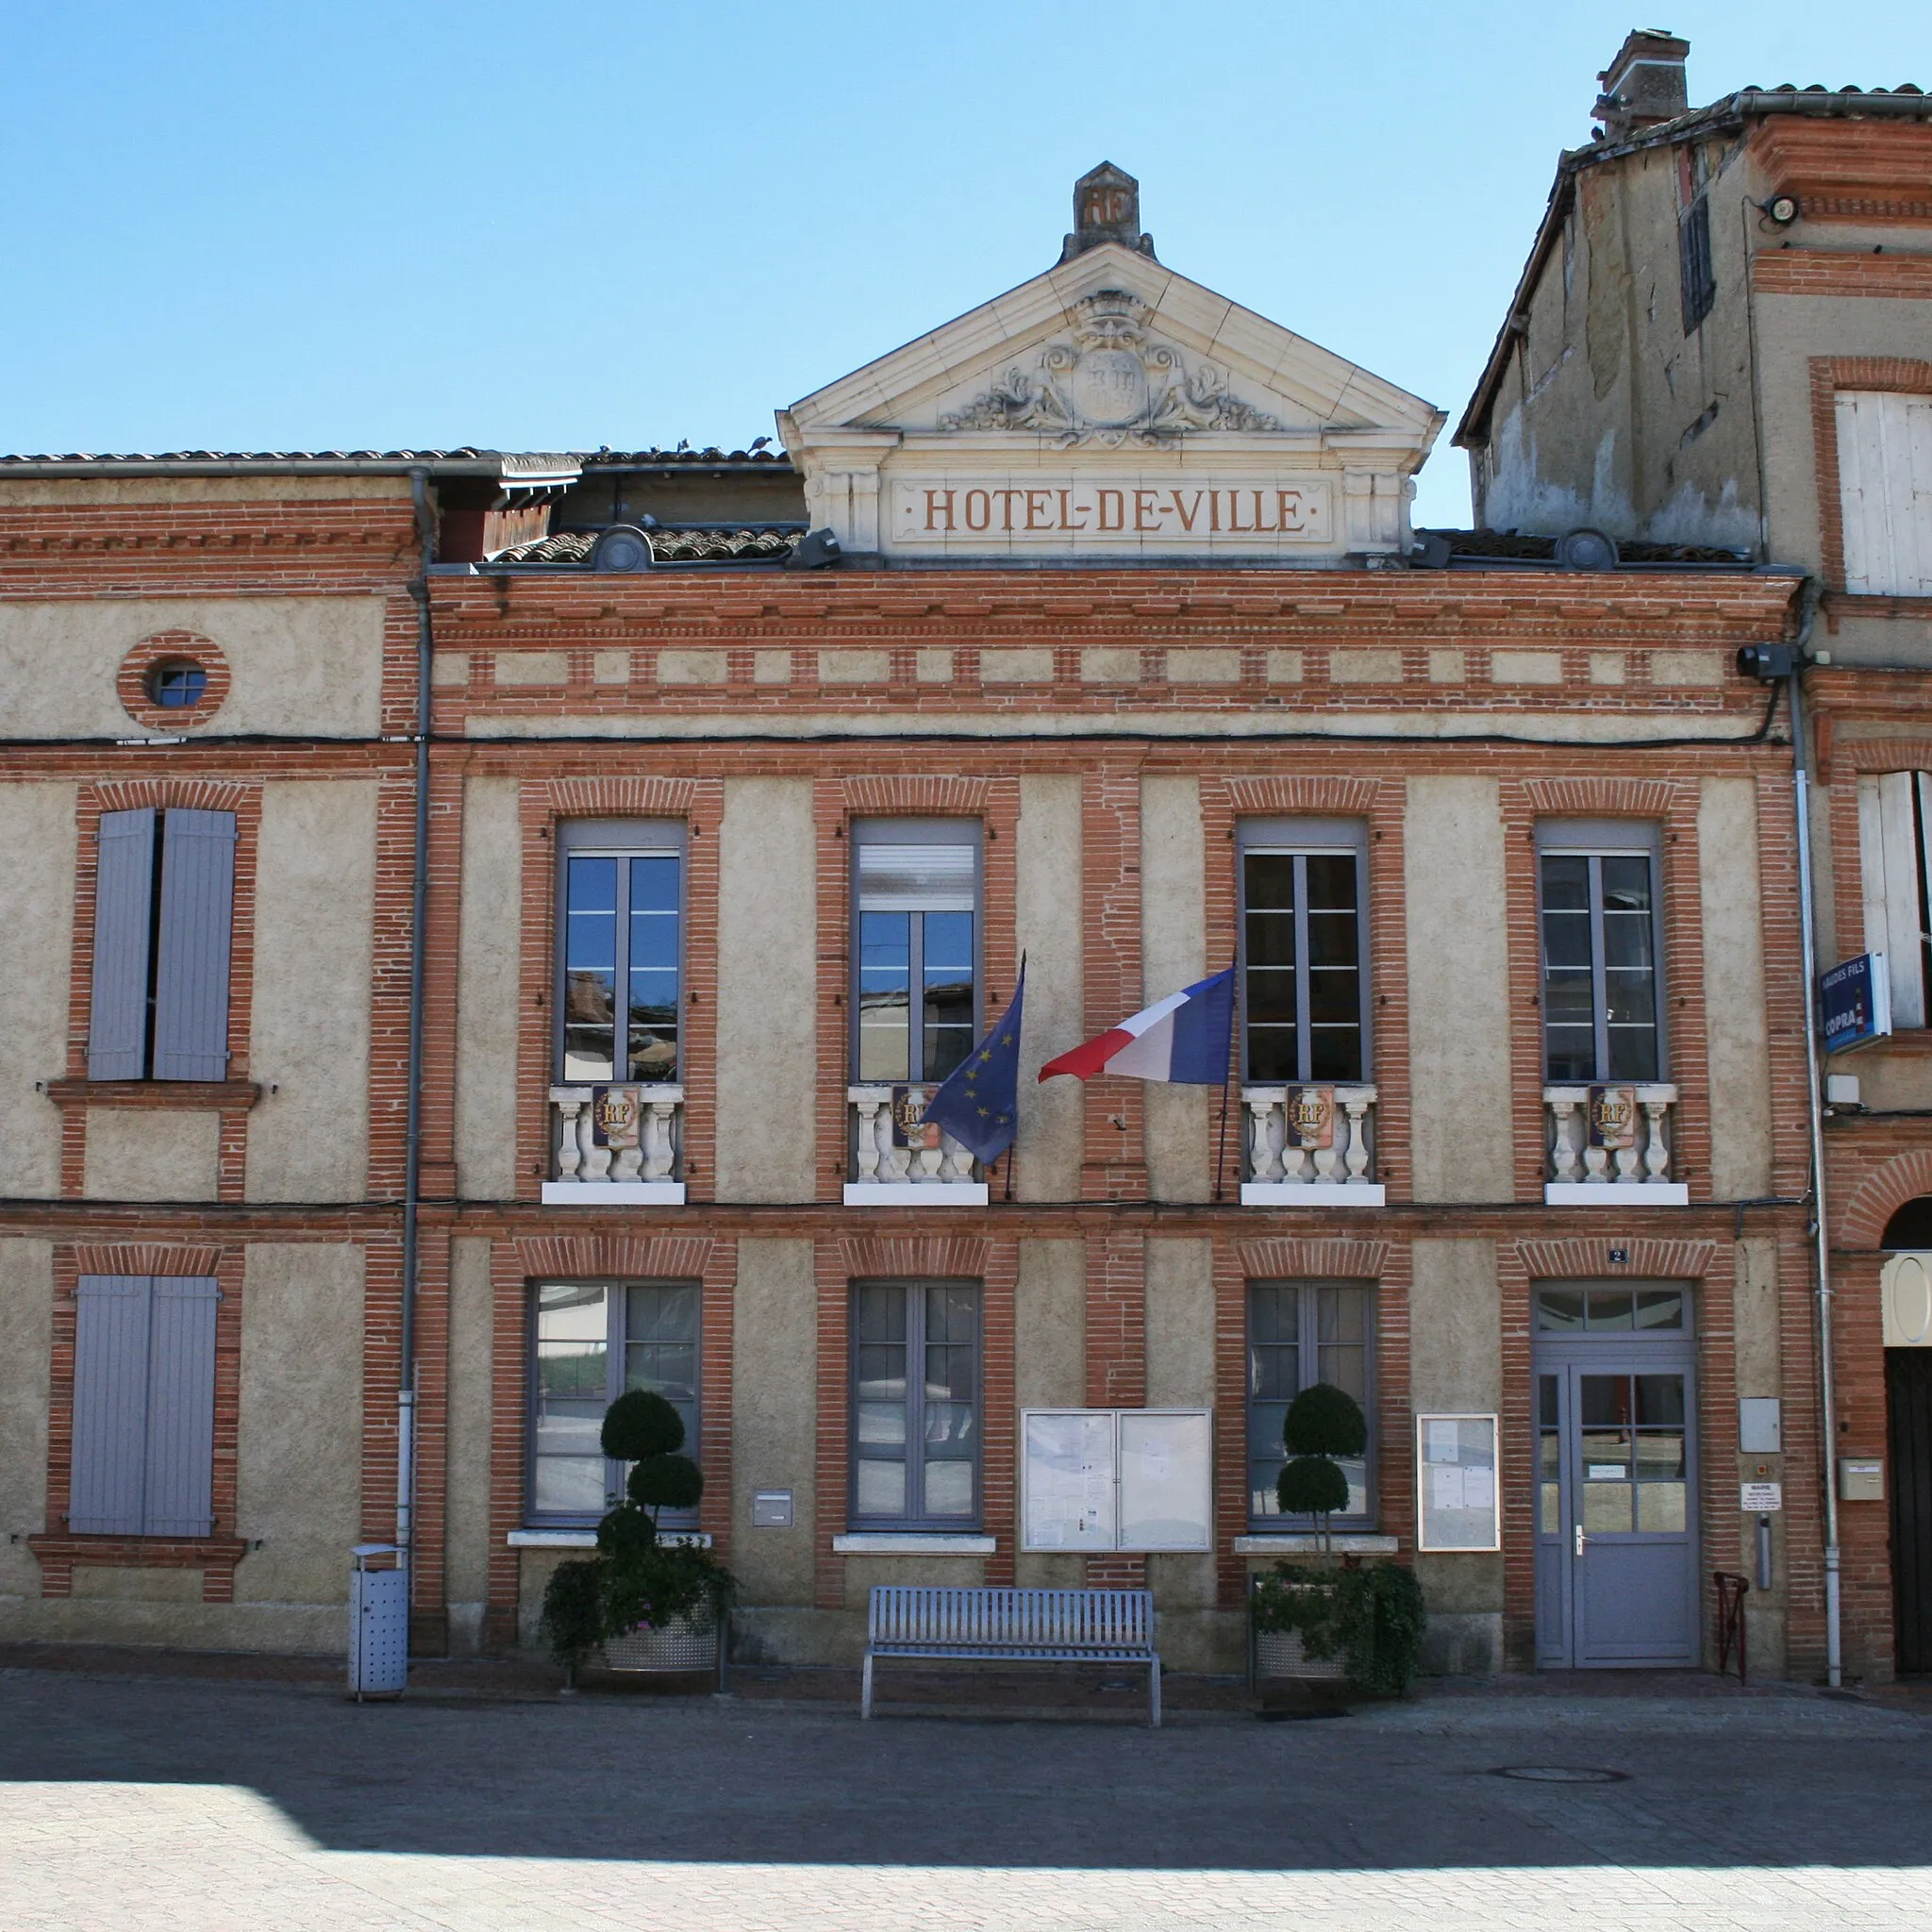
1026,1626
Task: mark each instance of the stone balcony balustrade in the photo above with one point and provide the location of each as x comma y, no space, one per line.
1611,1146
593,1174
888,1176
1308,1146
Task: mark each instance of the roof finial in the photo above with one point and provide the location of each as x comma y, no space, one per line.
1106,207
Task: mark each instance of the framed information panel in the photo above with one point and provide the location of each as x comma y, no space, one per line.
1455,1480
1094,1480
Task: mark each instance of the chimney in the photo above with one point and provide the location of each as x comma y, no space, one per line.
1106,207
1645,84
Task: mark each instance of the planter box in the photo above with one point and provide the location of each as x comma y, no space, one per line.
1279,1653
686,1645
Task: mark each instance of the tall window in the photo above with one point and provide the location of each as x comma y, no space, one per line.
916,950
915,1404
589,1342
1304,950
1601,942
1895,871
622,950
164,897
1299,1333
1885,492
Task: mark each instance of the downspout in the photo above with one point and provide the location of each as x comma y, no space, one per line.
1827,1389
412,1158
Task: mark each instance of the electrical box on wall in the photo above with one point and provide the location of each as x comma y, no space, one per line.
1860,1479
1760,1426
771,1510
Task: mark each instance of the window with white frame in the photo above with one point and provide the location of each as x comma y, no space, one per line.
590,1342
1304,943
620,950
915,1005
1602,941
164,897
1300,1332
1894,811
1885,492
915,1404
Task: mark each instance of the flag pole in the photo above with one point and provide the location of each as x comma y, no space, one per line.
1226,1085
1013,1147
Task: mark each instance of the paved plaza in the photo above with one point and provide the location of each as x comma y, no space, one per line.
211,1804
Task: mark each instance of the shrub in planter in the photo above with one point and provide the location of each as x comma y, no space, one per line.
635,1579
1322,1421
1370,1613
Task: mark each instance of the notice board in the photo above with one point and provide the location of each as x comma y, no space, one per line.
1096,1479
1456,1507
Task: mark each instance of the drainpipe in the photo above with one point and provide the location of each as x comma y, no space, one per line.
1828,1391
412,1159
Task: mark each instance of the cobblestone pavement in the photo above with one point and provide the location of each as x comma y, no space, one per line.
215,1806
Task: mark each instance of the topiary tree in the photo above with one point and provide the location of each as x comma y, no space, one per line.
1322,1422
635,1579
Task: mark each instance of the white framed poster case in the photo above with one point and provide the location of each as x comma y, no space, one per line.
1099,1480
1458,1504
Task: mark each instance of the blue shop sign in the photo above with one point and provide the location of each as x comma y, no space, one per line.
1855,1002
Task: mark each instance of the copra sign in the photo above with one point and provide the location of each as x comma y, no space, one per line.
1062,512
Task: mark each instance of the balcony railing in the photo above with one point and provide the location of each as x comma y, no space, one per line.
615,1145
1309,1146
889,1170
1611,1146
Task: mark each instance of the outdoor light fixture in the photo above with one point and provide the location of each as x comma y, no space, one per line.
1781,208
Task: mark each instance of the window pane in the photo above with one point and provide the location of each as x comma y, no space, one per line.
661,1349
881,1314
1661,1401
590,970
1660,1308
1331,877
655,962
569,1485
885,995
1273,1311
881,1489
949,1489
1608,1309
946,969
1268,881
1627,885
1566,882
1558,1308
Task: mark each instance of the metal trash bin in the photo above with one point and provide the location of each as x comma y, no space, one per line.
378,1624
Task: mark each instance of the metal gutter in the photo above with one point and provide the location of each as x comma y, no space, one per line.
517,472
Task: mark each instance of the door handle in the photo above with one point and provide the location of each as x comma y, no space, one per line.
1579,1538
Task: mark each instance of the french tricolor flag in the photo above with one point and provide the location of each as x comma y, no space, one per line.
1184,1038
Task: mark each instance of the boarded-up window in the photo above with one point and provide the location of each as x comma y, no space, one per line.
1892,811
1885,492
163,909
144,1406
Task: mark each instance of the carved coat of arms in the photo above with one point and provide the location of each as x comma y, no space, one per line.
1110,385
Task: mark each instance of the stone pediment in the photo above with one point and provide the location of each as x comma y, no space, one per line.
1110,407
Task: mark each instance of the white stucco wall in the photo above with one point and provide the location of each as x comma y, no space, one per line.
38,851
1047,922
1173,939
487,1013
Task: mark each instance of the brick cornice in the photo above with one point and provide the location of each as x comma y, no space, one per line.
143,1258
1291,1257
930,1256
1661,1259
681,1258
1615,798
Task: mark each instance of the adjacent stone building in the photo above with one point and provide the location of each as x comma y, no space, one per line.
1724,336
1089,628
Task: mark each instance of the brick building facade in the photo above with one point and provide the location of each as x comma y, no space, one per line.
1111,646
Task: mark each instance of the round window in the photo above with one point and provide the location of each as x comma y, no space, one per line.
177,686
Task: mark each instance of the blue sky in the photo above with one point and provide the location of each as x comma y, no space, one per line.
540,226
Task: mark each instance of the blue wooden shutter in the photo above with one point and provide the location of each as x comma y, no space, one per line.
111,1395
178,1497
191,978
124,897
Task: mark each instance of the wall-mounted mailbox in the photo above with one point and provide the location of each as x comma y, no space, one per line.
771,1510
1760,1426
1860,1479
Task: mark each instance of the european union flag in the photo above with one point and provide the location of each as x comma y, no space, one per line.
978,1103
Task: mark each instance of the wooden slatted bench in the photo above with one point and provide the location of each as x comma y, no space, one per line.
1026,1626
